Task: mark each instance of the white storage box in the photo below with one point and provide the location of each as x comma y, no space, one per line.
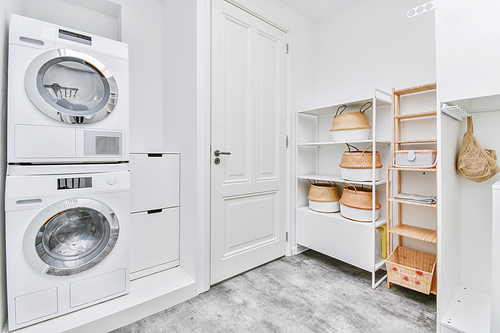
415,158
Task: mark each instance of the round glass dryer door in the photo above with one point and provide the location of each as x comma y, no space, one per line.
73,239
71,87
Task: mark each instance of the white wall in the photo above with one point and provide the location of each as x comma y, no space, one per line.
467,48
180,123
373,44
73,16
142,29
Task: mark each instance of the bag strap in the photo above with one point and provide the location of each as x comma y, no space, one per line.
333,185
310,182
355,189
343,107
364,110
364,151
470,127
349,146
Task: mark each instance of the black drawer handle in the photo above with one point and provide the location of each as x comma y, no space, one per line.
155,155
155,211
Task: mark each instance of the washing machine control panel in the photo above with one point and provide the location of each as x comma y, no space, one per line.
77,182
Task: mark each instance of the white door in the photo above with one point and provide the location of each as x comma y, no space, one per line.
249,88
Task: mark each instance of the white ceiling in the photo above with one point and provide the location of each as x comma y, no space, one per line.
319,10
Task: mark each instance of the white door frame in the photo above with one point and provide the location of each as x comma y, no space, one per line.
205,102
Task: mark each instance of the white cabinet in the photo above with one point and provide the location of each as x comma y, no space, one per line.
154,182
318,158
465,245
155,241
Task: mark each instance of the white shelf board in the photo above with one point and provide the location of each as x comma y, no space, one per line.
331,143
351,106
478,104
469,311
338,179
337,216
379,264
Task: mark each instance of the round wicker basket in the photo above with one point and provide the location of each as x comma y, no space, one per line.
359,159
324,192
360,198
351,120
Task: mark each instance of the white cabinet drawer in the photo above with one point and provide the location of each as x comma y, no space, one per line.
154,244
154,181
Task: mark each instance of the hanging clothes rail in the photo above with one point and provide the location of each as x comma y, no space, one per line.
455,111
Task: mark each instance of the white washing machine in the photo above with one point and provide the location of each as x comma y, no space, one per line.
67,238
68,95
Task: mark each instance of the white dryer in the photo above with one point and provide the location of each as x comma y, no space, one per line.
67,238
68,95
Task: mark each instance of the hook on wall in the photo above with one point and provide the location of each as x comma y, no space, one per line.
421,9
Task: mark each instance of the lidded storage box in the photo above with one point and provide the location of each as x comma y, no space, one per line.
411,268
324,197
357,165
415,158
356,203
351,126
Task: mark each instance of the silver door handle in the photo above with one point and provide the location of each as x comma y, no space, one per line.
218,153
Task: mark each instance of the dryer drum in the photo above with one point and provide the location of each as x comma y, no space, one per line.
71,87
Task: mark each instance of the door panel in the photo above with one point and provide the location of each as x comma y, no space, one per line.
249,221
249,90
236,128
268,76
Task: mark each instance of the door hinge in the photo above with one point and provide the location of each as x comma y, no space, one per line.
287,48
287,141
286,236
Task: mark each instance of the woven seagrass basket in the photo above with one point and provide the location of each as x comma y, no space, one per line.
324,192
360,198
359,159
351,120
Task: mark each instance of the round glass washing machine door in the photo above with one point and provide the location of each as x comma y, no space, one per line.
70,237
71,87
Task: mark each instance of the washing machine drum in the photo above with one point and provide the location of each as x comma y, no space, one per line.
73,239
71,87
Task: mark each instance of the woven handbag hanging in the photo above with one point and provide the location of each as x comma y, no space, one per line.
474,162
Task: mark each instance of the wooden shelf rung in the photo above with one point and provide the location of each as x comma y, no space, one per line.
426,235
417,141
417,115
412,90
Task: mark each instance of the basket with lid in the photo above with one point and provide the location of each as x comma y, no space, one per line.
415,158
357,165
351,126
324,197
356,203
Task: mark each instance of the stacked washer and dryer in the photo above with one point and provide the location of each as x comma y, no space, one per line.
67,190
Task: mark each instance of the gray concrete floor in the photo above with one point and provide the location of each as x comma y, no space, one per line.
309,292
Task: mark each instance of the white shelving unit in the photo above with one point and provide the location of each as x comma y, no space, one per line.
318,158
465,244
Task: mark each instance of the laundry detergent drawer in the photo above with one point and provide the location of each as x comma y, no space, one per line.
154,244
154,181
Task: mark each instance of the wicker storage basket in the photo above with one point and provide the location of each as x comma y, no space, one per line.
357,165
415,158
324,197
356,204
360,198
412,269
351,126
